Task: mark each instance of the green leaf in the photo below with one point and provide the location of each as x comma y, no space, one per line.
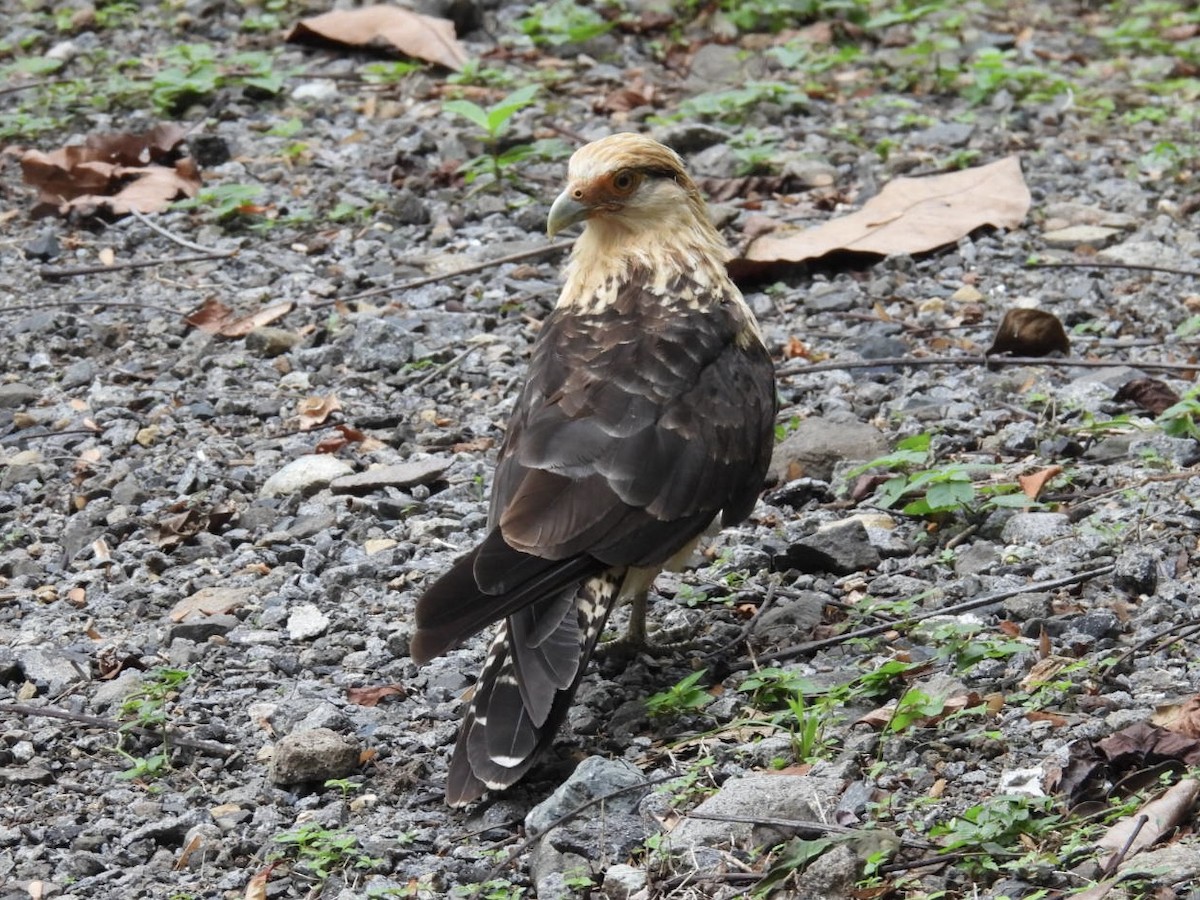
499,114
950,495
468,110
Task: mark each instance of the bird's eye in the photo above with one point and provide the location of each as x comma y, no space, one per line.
624,181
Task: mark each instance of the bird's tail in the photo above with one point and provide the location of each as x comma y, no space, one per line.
532,671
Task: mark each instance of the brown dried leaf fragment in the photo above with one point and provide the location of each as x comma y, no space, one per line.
371,696
313,411
419,36
1030,332
214,317
1151,394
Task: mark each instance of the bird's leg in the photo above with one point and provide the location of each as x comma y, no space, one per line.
637,640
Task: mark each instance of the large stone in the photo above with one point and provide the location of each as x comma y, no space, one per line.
315,755
305,475
817,445
398,475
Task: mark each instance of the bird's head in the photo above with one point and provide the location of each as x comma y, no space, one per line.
627,184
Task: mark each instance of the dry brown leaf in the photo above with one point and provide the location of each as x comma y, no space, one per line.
214,317
1182,718
910,215
313,411
422,37
246,324
1032,484
1030,332
256,887
370,696
114,172
1151,394
1161,816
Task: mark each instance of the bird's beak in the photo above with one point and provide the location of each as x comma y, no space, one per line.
565,212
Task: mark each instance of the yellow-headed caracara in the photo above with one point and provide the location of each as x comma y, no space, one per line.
647,413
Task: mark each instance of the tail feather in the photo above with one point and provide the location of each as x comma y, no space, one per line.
456,607
501,736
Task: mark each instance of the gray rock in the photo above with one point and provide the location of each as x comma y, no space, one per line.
1144,253
380,345
594,777
169,830
306,621
1027,607
1137,571
792,617
622,881
831,876
52,667
1080,235
397,475
77,374
757,795
718,66
1035,527
943,134
978,559
314,755
840,548
199,629
305,475
612,829
17,394
818,444
270,342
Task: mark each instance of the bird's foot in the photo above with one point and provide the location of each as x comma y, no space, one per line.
667,642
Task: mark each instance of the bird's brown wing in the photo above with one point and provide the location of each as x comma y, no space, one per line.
636,426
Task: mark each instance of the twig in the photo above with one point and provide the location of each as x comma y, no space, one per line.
748,628
445,367
177,738
31,307
916,361
1187,629
182,242
1139,267
1113,864
53,273
954,610
545,250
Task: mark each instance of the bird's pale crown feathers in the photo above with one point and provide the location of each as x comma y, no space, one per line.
641,210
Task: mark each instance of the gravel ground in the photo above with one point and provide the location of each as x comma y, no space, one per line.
174,548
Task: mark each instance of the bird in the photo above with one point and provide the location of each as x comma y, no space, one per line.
646,416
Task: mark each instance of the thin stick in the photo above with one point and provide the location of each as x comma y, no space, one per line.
31,307
545,250
1138,267
171,734
917,361
53,273
182,242
445,367
967,605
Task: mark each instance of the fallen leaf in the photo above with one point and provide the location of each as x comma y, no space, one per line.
910,215
419,36
214,317
1029,332
370,696
1150,394
256,887
1032,484
1149,824
1182,718
117,172
313,411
